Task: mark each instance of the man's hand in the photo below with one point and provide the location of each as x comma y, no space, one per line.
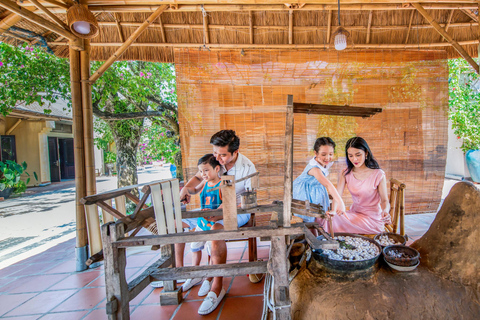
185,196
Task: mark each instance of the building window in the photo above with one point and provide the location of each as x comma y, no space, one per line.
9,150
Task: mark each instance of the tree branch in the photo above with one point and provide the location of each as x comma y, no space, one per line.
161,104
127,115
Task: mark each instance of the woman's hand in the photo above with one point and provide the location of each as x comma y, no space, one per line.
386,218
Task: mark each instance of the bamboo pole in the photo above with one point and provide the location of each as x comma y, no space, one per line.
32,17
329,24
448,23
205,28
250,20
126,44
288,181
409,27
93,221
440,30
470,14
58,4
80,191
273,46
119,28
162,29
370,16
48,13
290,26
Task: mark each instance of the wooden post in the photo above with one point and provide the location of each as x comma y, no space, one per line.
93,221
170,294
402,210
277,267
290,26
284,220
229,203
81,225
115,262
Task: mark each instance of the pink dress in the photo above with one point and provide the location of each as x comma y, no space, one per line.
365,213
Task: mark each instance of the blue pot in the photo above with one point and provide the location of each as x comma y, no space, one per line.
473,164
6,193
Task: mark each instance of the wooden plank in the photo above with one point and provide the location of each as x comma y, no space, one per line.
229,198
320,244
277,267
370,15
447,37
126,44
120,205
219,270
210,235
177,205
288,180
114,212
168,206
219,212
311,108
158,208
140,204
290,26
94,237
32,17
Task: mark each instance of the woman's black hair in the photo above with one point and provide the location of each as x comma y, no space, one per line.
360,143
323,141
225,138
210,159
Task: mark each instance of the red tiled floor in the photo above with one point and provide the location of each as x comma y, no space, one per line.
11,269
76,315
23,318
34,268
193,293
242,286
11,301
84,299
66,266
97,314
153,312
33,283
77,280
42,303
242,308
138,299
189,310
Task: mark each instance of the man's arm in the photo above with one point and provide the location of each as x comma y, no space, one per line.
190,187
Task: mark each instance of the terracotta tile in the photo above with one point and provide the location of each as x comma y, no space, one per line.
263,252
33,283
235,254
64,266
99,282
189,310
153,297
5,281
97,314
11,301
42,303
75,315
242,286
84,299
234,308
33,269
5,272
138,299
140,261
77,280
24,318
193,293
153,312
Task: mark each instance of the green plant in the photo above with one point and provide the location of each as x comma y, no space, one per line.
10,176
109,157
464,103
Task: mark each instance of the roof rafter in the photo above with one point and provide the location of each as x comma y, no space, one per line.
48,13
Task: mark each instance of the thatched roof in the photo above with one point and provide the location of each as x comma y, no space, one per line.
260,24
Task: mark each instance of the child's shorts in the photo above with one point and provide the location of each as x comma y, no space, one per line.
197,246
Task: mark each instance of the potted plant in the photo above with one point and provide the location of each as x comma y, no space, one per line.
464,111
10,181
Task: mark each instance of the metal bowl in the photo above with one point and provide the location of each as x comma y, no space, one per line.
398,238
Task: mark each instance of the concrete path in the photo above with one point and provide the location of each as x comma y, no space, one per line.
45,216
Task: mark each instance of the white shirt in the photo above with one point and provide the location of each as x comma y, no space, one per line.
242,168
314,163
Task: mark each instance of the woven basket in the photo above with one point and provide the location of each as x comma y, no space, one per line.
405,262
79,12
395,236
153,228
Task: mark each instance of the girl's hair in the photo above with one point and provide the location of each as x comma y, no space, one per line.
210,159
360,143
323,141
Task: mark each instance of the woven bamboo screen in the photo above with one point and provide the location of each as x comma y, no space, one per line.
248,93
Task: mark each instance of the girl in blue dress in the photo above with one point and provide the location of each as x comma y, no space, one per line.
313,185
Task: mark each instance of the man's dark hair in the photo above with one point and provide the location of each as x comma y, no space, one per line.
210,159
226,138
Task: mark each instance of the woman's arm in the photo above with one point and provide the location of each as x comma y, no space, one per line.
339,206
384,203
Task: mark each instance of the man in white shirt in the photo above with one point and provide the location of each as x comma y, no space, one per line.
225,149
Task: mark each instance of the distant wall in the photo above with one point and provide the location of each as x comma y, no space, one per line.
225,90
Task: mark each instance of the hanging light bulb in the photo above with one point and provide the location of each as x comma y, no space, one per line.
82,22
340,34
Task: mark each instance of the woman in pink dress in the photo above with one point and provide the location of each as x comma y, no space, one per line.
367,184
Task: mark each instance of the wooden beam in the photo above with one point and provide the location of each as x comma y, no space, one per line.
290,26
13,127
30,16
284,220
48,13
9,21
272,46
470,14
370,15
162,30
409,26
333,110
119,28
206,37
11,35
58,4
126,44
329,24
448,23
250,20
440,30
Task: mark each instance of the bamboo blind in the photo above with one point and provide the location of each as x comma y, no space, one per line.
248,93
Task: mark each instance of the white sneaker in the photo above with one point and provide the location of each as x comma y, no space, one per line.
211,302
205,288
190,283
159,284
